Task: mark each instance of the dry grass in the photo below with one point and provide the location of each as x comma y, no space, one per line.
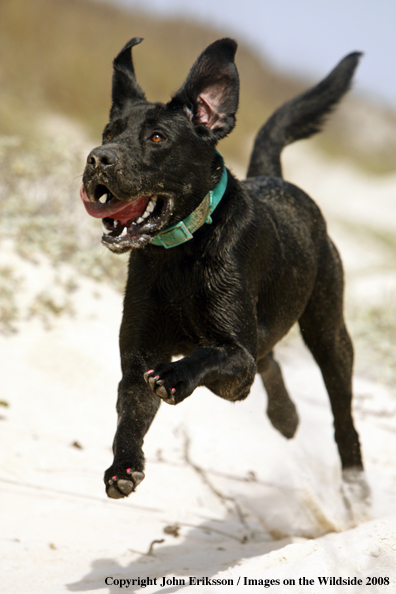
374,332
10,283
42,216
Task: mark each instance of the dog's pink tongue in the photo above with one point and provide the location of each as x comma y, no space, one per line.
122,211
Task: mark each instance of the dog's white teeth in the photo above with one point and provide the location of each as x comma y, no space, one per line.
116,223
103,199
124,232
149,209
106,231
151,205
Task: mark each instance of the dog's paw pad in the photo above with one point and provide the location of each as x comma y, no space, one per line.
136,476
126,487
114,493
162,393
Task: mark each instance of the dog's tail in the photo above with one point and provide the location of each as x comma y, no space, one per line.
299,118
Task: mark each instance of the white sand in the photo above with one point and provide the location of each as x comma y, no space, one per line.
264,509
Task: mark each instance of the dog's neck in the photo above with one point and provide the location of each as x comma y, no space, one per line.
184,231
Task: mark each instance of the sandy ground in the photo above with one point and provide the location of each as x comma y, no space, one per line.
225,496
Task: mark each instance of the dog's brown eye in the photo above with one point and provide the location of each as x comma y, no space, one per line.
108,135
157,137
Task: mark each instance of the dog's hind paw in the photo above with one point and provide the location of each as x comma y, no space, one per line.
357,495
117,487
283,416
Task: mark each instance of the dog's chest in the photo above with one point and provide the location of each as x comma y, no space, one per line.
184,293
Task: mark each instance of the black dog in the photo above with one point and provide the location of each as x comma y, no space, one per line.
219,269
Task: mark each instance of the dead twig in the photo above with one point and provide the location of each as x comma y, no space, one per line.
151,549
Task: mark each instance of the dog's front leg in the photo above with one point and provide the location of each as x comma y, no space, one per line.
227,370
136,408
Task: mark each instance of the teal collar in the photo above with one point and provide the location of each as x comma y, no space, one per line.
183,231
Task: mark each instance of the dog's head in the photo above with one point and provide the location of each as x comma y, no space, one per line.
158,161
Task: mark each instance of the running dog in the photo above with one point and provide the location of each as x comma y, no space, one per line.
219,269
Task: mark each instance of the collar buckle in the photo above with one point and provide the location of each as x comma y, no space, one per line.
174,236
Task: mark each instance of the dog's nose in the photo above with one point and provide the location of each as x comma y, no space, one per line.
101,157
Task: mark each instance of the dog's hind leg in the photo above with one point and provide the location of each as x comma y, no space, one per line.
324,332
281,410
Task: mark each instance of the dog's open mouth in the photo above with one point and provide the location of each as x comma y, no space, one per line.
127,224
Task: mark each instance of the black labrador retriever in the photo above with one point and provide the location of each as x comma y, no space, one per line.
219,269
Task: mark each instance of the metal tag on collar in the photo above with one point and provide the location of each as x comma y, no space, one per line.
211,209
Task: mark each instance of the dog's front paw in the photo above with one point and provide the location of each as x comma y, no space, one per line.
168,382
123,483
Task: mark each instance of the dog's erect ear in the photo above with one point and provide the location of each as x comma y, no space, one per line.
210,92
125,87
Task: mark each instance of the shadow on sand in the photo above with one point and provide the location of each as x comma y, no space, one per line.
212,545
